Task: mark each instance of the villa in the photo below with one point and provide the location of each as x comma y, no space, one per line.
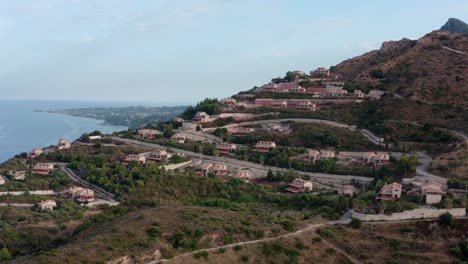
220,169
79,194
327,154
226,148
264,146
140,158
179,138
35,152
159,155
376,158
300,185
147,133
311,156
63,143
201,117
47,205
204,168
390,192
375,94
43,168
18,175
347,190
229,102
244,174
2,180
433,193
358,94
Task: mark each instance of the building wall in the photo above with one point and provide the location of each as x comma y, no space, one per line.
433,199
411,214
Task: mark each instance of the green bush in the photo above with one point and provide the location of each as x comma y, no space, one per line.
446,220
202,254
244,258
355,223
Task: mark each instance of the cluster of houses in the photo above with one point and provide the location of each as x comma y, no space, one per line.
78,194
431,191
155,155
38,168
205,168
295,104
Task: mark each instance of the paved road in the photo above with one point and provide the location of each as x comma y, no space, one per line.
110,197
319,177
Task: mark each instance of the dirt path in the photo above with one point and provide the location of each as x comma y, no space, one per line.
339,250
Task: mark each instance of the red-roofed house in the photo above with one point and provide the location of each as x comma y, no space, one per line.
47,205
264,146
300,185
179,138
159,155
18,175
140,158
226,148
148,133
35,152
240,131
244,174
220,169
390,192
79,194
63,144
311,155
43,168
204,168
201,117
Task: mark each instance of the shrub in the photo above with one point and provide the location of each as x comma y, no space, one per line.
153,232
237,248
446,219
288,225
355,223
202,254
244,258
317,239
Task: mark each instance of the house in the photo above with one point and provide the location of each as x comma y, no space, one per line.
204,168
47,205
244,174
43,168
63,143
320,72
241,105
18,175
159,155
432,192
229,102
390,192
375,94
2,180
297,74
201,117
376,158
79,194
347,190
147,133
134,157
311,155
95,137
327,154
296,104
226,148
358,94
179,138
241,131
35,152
220,169
264,146
300,185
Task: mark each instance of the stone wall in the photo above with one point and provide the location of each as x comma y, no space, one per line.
410,214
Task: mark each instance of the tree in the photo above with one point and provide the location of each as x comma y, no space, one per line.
326,165
355,223
198,128
169,131
408,163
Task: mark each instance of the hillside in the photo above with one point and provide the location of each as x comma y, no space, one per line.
428,69
455,25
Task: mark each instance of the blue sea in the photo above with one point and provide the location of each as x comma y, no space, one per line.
21,128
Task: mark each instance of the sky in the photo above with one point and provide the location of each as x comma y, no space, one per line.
183,51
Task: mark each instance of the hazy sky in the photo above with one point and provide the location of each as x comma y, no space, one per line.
182,51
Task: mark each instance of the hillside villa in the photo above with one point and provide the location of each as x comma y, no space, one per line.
147,133
347,190
225,148
159,155
220,169
375,94
229,102
390,192
35,152
79,194
376,158
264,146
296,104
313,155
47,205
18,175
203,168
433,192
63,143
140,158
201,117
244,174
2,180
43,168
240,131
300,185
179,138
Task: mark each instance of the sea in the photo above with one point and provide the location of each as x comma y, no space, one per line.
22,128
